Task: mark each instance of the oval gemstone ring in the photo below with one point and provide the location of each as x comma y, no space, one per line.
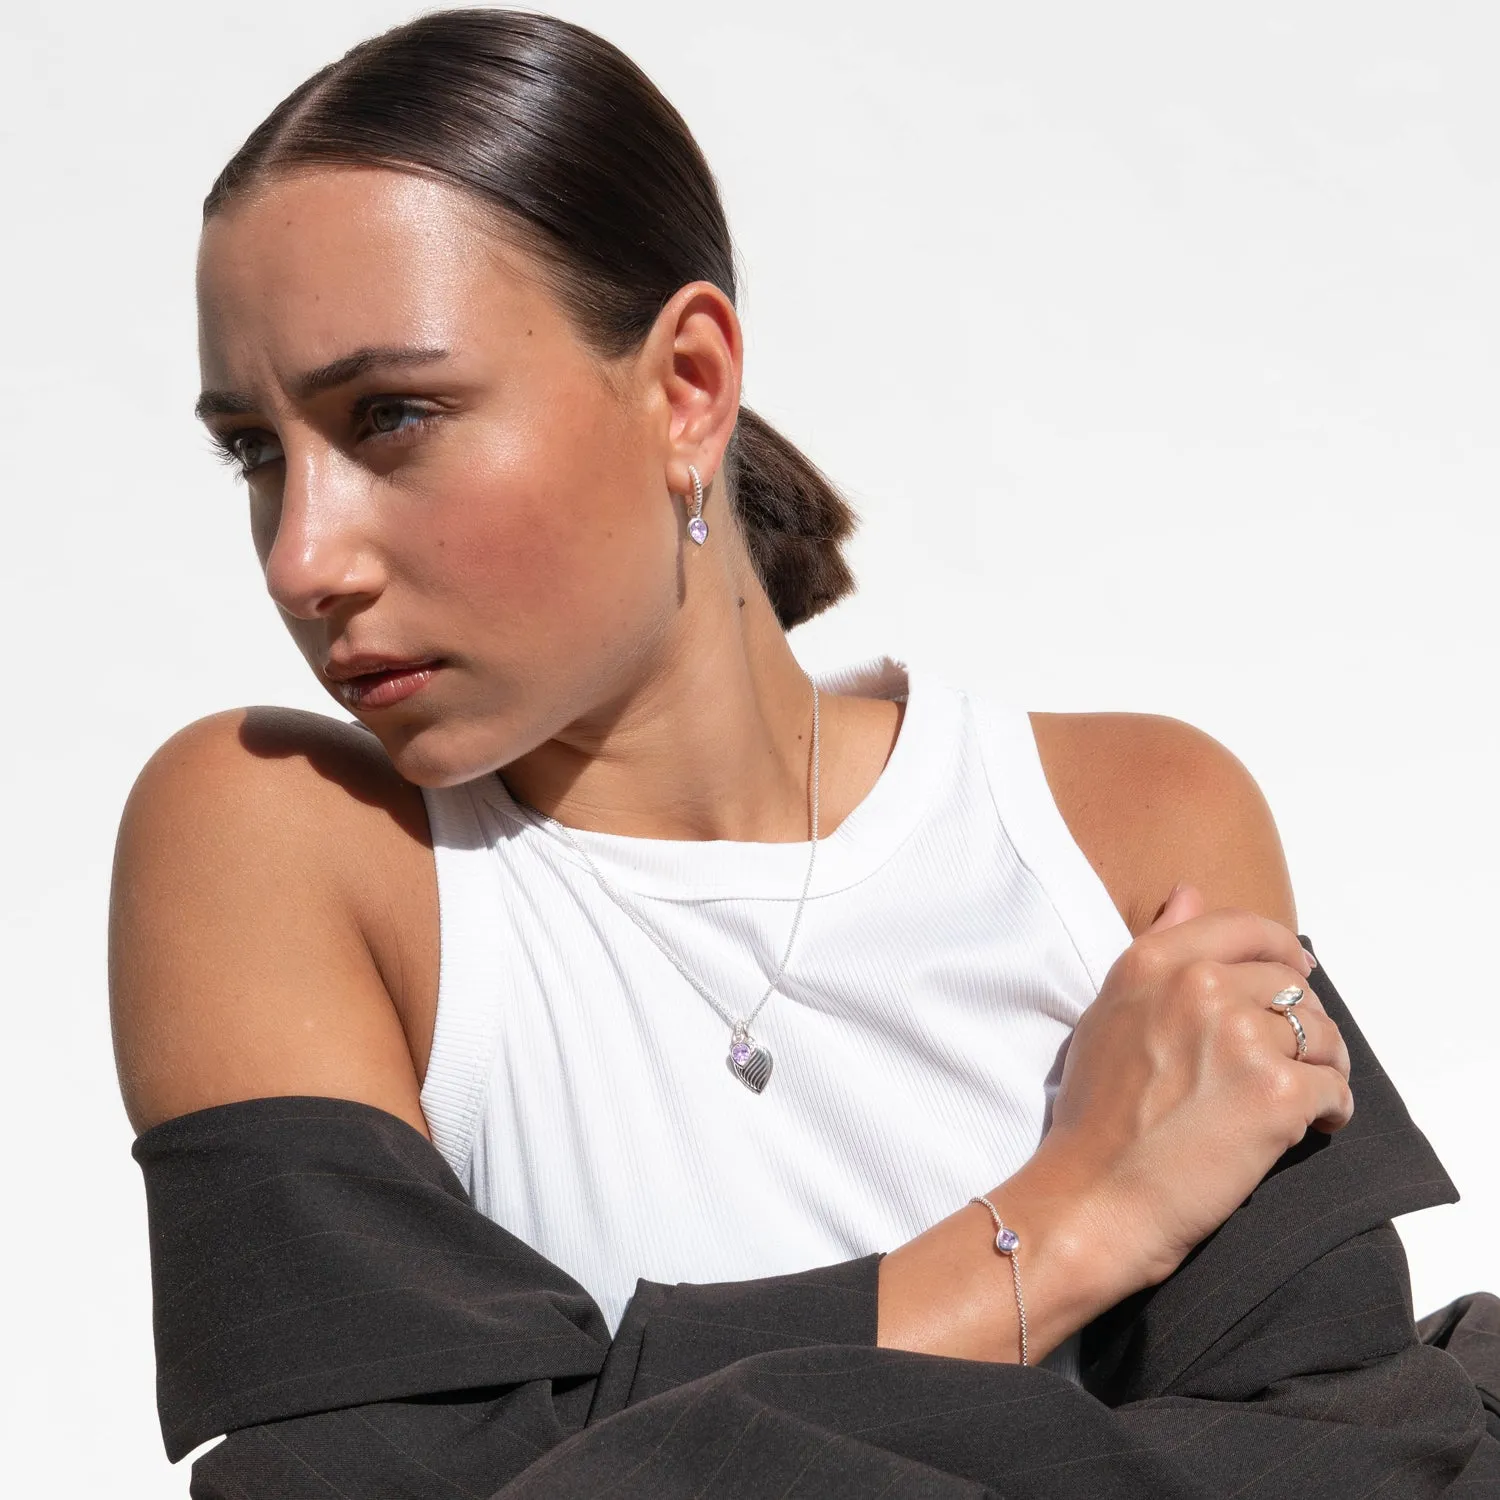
1287,998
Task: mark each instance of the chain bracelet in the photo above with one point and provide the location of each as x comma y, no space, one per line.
1008,1243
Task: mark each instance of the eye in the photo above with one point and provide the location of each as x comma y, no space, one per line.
246,450
385,413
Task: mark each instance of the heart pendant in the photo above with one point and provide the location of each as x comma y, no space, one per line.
750,1063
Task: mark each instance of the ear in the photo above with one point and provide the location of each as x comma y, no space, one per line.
695,356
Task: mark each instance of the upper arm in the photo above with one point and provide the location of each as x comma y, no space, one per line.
1152,800
254,852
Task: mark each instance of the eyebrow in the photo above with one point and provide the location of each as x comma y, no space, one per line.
337,372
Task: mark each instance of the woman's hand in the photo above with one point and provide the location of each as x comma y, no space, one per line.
1181,1088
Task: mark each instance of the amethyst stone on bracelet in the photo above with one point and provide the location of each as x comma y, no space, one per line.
1007,1241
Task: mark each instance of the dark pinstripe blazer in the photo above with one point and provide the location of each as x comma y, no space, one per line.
326,1294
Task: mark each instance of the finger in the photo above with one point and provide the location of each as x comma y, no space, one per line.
1258,983
1325,1042
1330,1102
1256,986
1230,935
1325,1047
1184,902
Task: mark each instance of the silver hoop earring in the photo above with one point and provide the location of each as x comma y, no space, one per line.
697,528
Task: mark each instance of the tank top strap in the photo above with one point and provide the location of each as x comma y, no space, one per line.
472,972
1042,839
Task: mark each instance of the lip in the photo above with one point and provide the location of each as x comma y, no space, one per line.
368,681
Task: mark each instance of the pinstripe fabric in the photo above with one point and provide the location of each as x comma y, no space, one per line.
326,1293
954,932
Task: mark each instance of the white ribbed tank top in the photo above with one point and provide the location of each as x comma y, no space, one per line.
954,933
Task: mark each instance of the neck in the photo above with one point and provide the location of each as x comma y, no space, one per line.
713,742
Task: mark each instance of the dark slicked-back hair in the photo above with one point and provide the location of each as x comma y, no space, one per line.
579,157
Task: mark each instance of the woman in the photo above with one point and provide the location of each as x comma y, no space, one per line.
690,968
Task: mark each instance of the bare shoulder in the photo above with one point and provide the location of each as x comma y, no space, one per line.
273,919
1152,800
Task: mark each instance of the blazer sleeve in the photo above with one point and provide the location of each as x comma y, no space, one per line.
326,1295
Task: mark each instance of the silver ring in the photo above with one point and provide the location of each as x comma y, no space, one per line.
1301,1034
1285,999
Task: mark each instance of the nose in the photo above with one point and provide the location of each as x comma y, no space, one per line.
320,555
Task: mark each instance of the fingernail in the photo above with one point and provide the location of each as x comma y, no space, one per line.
1312,962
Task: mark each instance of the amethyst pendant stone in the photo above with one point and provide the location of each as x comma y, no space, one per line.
750,1063
1007,1242
698,530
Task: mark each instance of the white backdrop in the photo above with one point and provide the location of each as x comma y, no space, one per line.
1158,346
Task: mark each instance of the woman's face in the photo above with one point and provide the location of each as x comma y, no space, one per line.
481,497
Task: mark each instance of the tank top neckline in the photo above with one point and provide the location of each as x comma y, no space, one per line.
696,870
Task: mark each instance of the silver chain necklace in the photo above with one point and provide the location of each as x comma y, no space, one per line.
747,1059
